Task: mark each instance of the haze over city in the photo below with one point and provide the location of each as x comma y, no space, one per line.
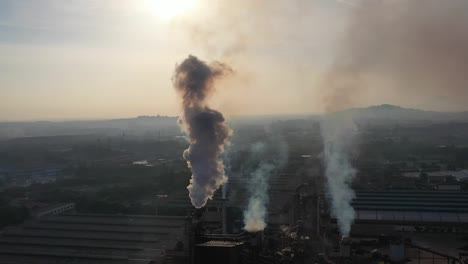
234,131
108,59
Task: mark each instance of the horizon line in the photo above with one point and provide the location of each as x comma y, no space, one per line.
72,119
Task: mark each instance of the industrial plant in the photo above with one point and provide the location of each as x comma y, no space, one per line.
389,227
234,132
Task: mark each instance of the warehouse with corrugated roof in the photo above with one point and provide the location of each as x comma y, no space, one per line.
421,207
91,238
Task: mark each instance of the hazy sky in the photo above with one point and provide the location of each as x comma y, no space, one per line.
79,59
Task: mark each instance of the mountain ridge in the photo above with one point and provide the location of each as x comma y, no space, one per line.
388,111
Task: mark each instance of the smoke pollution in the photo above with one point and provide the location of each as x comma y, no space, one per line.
338,135
205,128
401,50
412,52
267,158
254,216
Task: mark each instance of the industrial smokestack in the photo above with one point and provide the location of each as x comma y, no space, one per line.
205,128
224,213
345,247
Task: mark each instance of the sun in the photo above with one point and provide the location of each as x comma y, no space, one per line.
168,9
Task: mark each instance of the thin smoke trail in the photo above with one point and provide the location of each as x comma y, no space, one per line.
338,136
268,158
255,215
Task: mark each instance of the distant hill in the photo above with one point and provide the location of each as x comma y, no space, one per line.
140,126
392,112
155,126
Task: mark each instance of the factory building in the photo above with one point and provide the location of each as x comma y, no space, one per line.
436,207
389,226
413,227
91,238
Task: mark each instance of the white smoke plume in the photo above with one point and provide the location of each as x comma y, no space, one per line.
267,159
254,216
205,128
338,133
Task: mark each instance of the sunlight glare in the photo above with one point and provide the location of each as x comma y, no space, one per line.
168,9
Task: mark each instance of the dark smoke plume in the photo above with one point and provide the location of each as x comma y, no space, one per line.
206,130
